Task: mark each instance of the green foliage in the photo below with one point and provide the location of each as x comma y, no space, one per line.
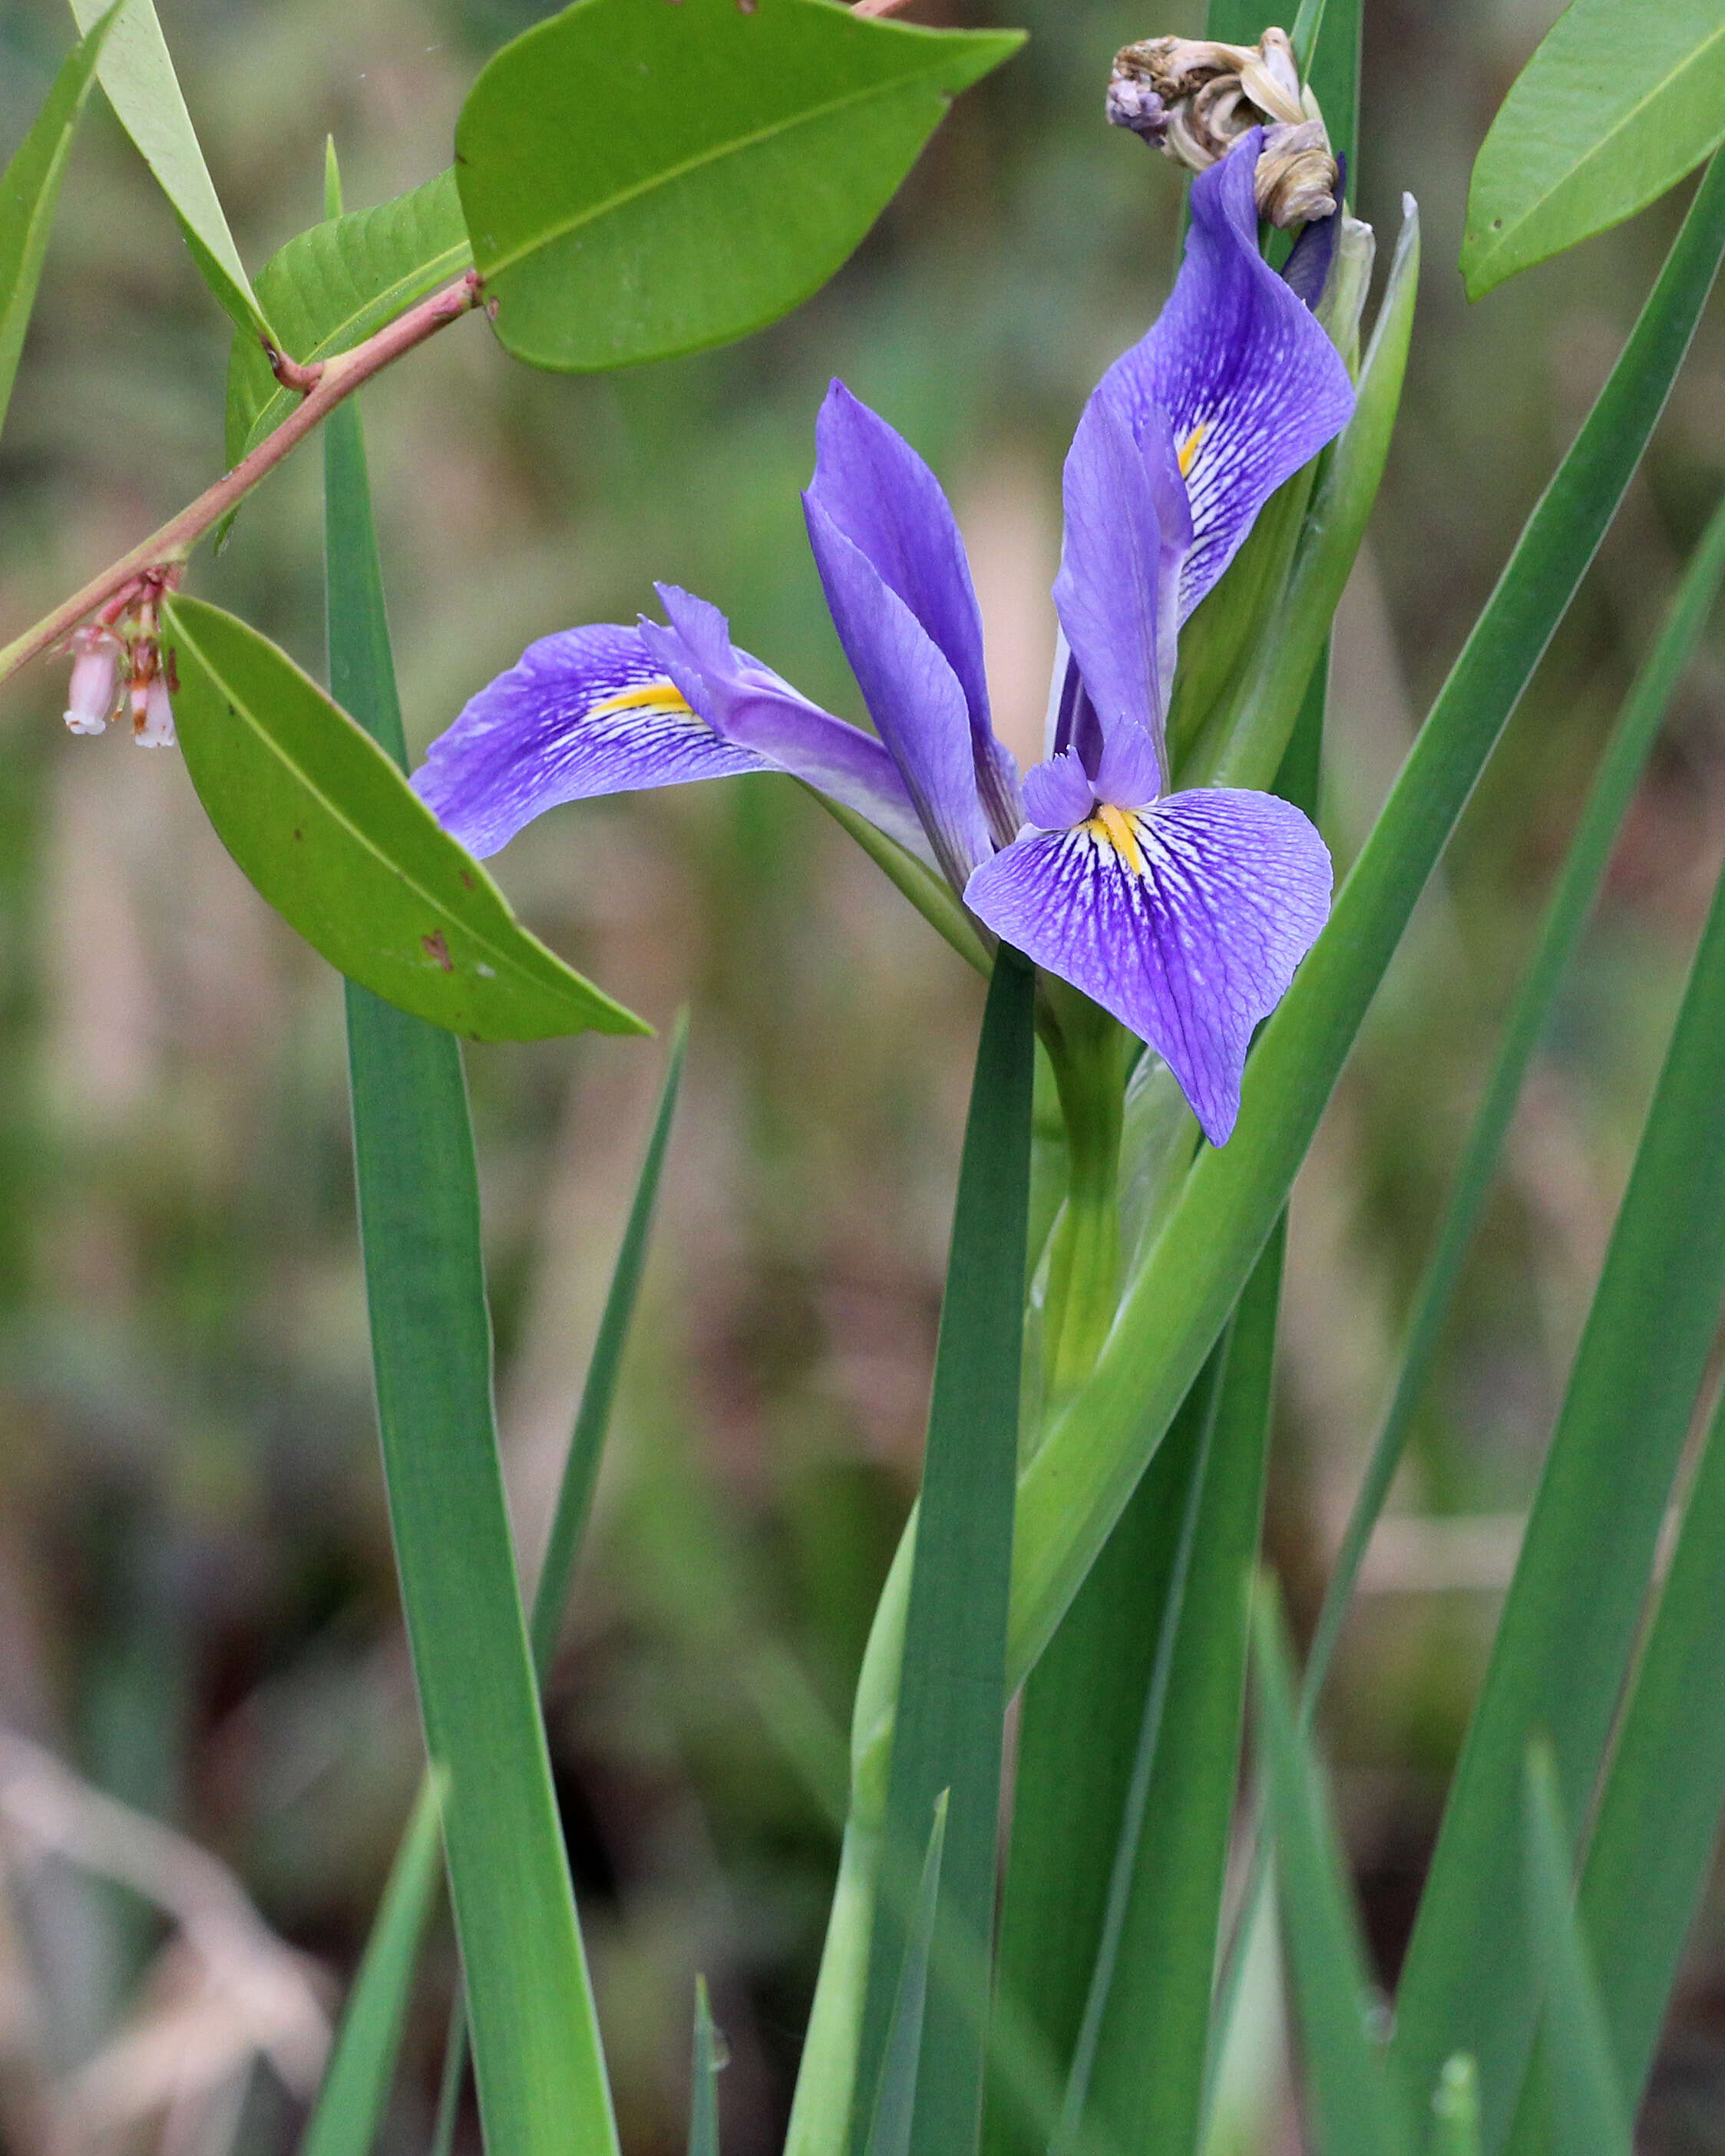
1172,1862
893,2121
332,286
704,2079
952,1692
29,190
1566,917
1567,1629
640,180
1586,2110
355,2083
598,1395
1088,1728
139,77
535,2044
1074,1489
329,831
1622,99
1351,2100
1657,1828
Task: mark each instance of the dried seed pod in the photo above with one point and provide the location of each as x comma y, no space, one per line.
1195,97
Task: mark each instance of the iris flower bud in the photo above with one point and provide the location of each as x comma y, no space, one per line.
96,681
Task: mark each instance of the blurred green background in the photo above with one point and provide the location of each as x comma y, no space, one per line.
197,1613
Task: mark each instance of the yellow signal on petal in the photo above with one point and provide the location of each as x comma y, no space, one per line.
1189,447
645,697
1116,828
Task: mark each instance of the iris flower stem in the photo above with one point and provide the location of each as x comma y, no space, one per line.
1088,1052
169,546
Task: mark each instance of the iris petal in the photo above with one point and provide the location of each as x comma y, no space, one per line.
1185,920
753,708
1251,386
913,696
873,487
1127,531
584,712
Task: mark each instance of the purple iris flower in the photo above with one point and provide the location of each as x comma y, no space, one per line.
1184,914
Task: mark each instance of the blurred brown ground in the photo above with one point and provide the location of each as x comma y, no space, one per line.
196,1603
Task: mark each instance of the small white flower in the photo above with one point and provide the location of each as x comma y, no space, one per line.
155,728
96,681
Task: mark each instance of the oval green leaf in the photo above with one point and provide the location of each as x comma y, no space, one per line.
330,288
138,75
1622,99
640,179
329,832
30,189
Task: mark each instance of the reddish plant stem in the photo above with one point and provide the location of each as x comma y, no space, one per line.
158,558
879,7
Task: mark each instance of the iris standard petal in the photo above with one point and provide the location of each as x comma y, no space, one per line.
874,487
751,707
1127,532
1186,920
584,712
1251,386
913,696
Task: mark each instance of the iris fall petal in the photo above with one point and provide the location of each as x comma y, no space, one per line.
584,712
1186,920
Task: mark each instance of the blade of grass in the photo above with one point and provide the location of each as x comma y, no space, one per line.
1155,1967
1074,1488
1566,918
952,1693
537,2051
30,192
1353,2106
1587,2109
895,2104
599,1394
1570,1623
1456,2109
581,1474
1653,1843
356,2084
1081,1743
704,2087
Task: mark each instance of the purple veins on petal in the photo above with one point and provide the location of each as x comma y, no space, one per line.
1127,531
755,709
1186,920
1251,386
873,487
913,695
583,712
